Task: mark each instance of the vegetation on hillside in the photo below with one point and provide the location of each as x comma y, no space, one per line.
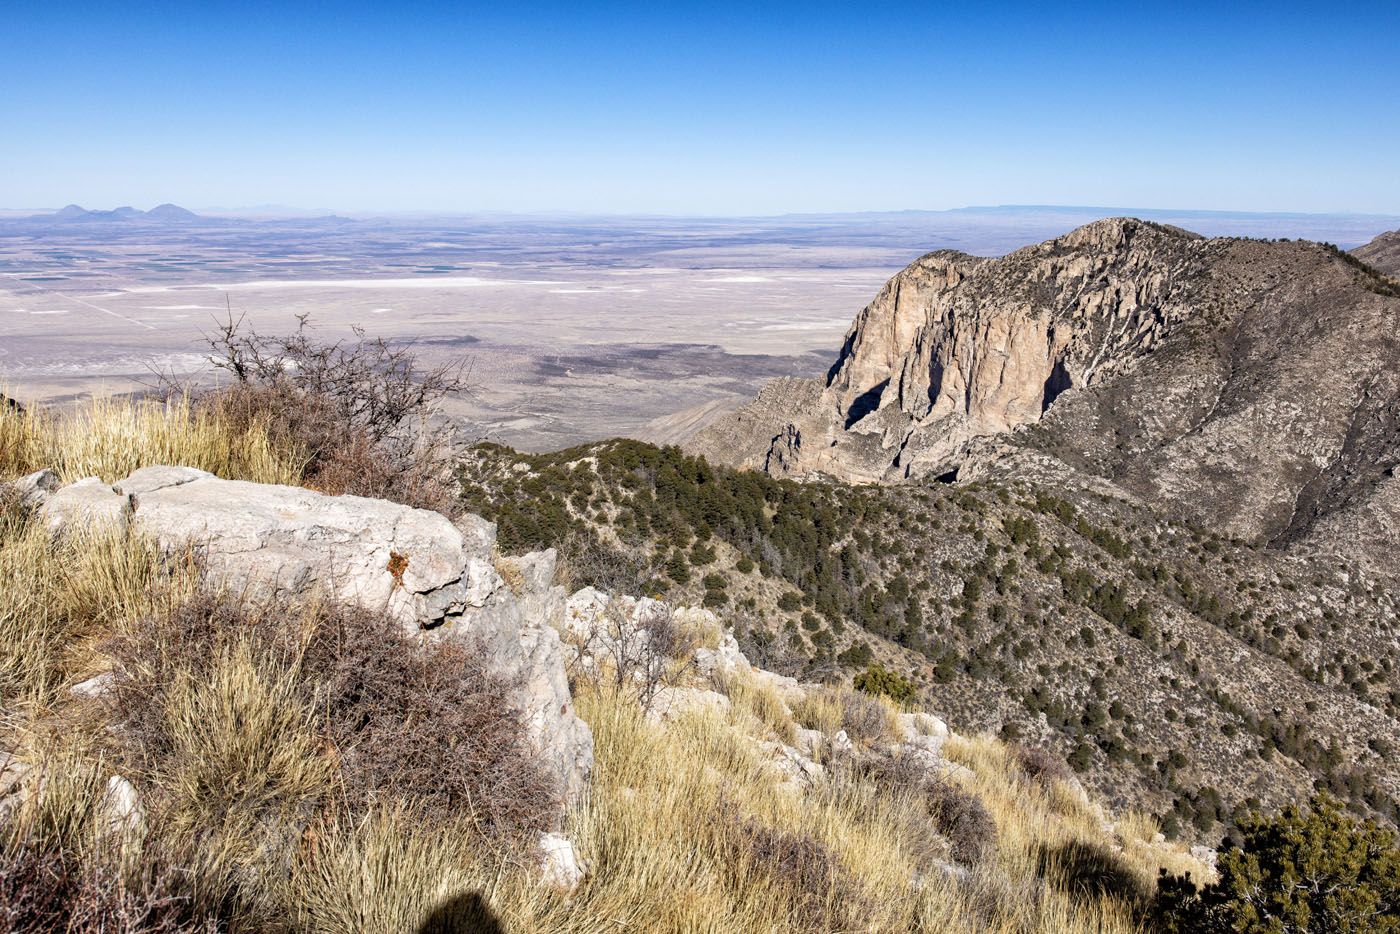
1049,617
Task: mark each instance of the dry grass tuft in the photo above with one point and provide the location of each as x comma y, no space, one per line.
760,701
820,709
61,596
110,438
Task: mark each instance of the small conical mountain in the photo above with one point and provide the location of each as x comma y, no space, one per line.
171,213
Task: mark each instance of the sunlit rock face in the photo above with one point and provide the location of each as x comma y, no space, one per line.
1250,383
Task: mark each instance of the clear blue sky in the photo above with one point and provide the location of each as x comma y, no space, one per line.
701,107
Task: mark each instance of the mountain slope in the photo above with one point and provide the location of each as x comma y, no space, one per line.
1249,383
1164,538
1382,253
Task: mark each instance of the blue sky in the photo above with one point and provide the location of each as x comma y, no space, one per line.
701,108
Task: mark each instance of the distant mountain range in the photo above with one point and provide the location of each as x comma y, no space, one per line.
162,213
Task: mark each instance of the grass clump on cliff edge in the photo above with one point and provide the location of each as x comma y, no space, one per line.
110,438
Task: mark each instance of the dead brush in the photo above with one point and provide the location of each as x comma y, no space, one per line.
1041,765
958,815
62,868
821,895
342,697
641,649
361,414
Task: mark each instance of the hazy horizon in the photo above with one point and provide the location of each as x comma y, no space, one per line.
293,211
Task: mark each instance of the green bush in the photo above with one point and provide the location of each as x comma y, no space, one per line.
1308,870
857,655
877,679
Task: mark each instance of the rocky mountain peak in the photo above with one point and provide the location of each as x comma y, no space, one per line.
1251,381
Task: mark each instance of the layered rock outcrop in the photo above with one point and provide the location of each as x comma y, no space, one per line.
957,347
437,578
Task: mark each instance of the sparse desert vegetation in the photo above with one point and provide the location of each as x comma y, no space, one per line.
310,768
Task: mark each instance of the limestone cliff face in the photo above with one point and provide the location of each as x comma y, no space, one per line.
957,347
1249,384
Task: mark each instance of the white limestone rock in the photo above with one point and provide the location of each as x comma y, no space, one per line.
559,862
88,502
34,489
669,703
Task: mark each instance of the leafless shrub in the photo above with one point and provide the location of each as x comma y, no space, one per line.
45,888
433,725
1041,765
863,717
762,647
963,819
585,560
63,868
360,413
429,726
647,649
824,896
958,815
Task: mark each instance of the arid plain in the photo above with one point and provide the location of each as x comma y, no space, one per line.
573,328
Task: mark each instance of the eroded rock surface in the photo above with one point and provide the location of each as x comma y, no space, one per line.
1383,253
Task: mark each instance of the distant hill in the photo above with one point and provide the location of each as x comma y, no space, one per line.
1383,253
171,212
164,214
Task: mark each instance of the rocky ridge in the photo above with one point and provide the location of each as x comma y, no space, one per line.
1251,384
1383,253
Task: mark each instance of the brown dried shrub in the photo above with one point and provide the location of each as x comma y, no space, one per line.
963,819
958,815
863,717
823,895
432,724
426,725
1041,765
46,888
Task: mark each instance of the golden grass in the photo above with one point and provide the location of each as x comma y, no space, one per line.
510,573
753,698
110,438
61,596
819,710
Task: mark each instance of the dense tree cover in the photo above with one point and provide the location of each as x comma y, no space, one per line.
786,529
1314,869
